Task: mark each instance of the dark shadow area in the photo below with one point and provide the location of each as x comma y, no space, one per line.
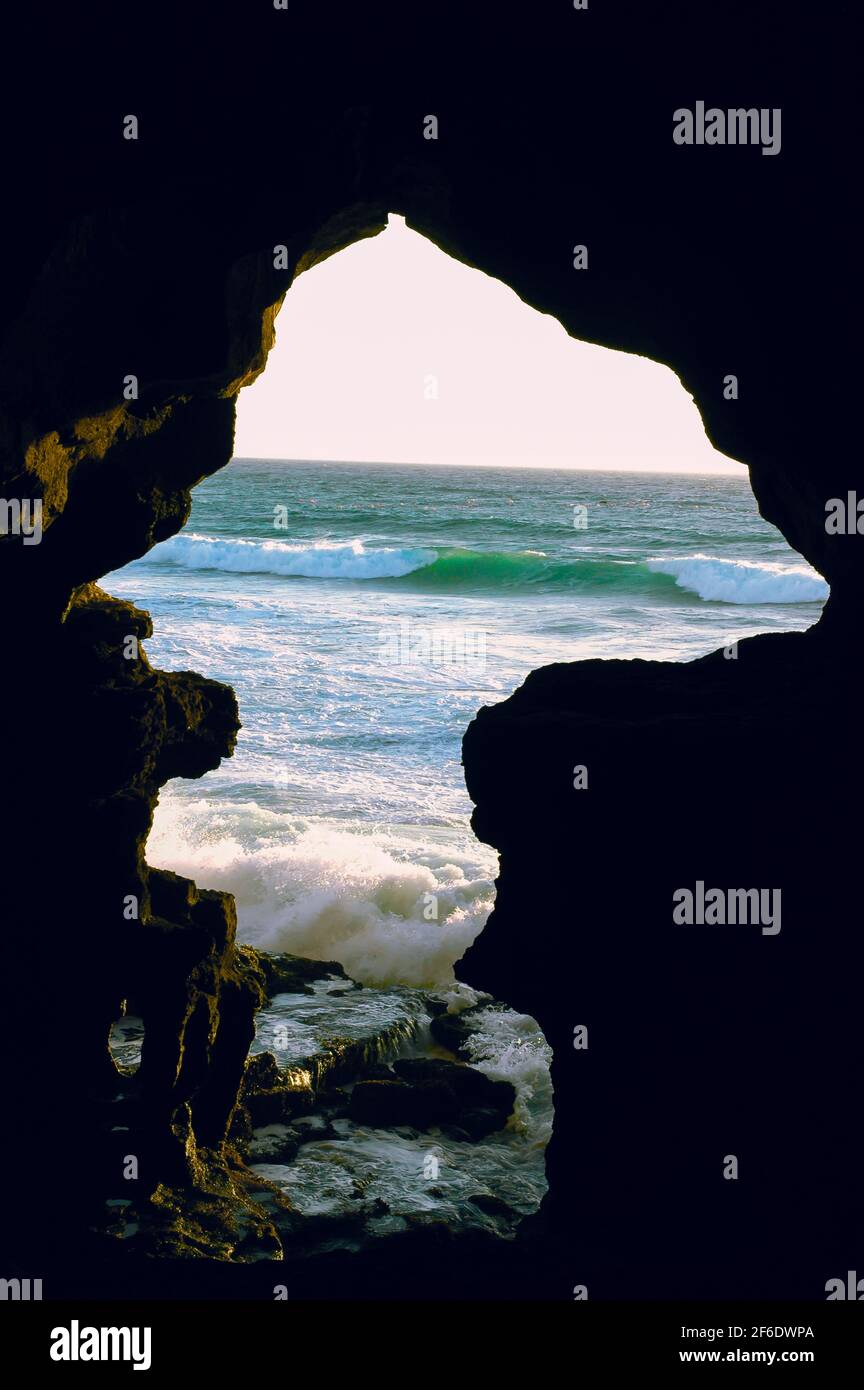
156,260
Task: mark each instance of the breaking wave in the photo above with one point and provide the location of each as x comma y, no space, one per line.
323,560
743,581
457,570
387,910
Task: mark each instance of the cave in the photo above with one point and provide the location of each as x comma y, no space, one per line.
254,550
703,1045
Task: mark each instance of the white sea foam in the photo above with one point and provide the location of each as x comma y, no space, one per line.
324,891
743,581
509,1046
320,560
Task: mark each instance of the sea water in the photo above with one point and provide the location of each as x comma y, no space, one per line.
363,614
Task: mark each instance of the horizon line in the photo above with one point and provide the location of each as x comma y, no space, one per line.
526,467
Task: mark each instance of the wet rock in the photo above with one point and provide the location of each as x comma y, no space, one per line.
453,1030
479,1121
273,1144
287,974
336,1100
473,1089
321,1042
383,1103
312,1128
267,1093
423,1092
490,1204
379,1071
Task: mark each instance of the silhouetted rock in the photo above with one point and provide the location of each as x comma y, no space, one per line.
701,1042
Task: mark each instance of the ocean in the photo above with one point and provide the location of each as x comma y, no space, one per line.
363,614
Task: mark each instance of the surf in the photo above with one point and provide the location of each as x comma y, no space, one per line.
323,559
390,914
456,570
743,581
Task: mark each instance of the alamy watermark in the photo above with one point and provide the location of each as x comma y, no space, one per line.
849,1288
421,646
720,907
20,1290
735,126
77,1343
21,517
845,515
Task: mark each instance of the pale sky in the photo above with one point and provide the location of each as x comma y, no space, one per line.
392,352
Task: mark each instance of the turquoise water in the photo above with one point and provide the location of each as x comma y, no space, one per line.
361,634
363,614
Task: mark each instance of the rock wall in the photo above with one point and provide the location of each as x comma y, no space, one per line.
700,1043
155,258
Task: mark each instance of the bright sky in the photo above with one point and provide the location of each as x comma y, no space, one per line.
392,352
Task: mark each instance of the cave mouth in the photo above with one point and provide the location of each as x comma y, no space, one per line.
363,611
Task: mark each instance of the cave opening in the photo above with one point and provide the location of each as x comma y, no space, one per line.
462,493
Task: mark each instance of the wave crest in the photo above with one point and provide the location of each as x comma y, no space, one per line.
321,560
743,581
462,571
